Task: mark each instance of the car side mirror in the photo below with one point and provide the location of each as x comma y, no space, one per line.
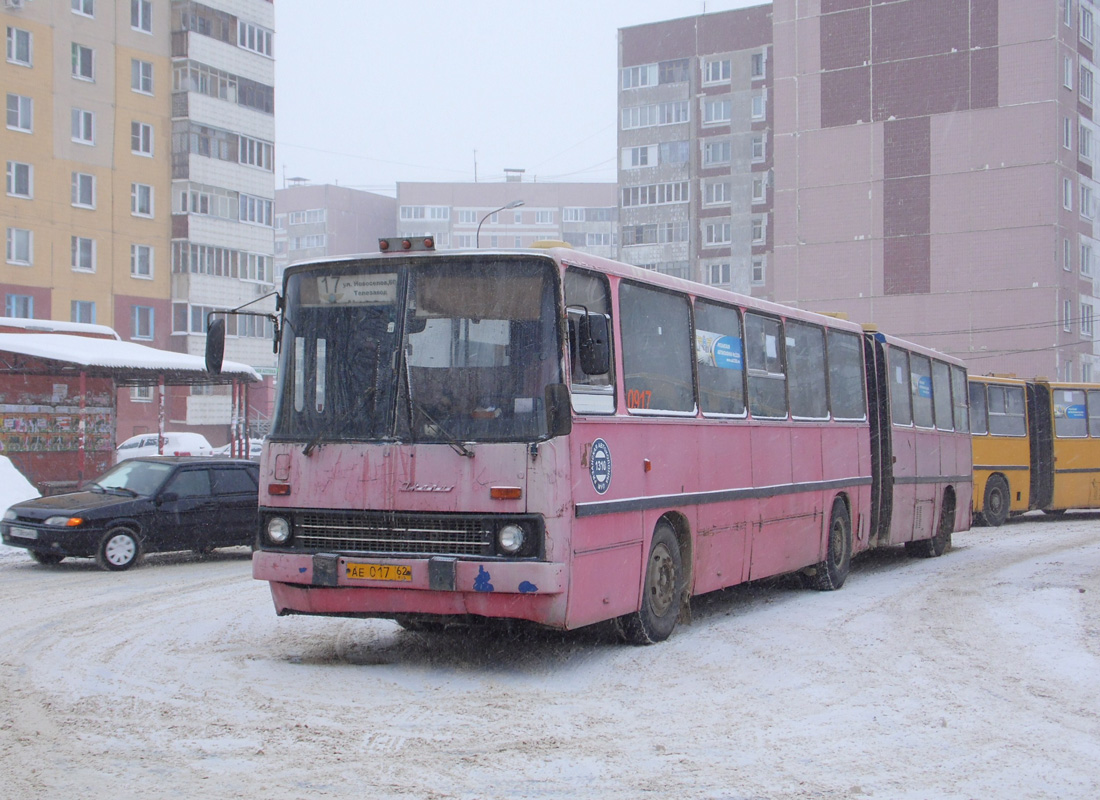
168,497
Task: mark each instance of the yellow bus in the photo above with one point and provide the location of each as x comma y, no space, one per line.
1036,445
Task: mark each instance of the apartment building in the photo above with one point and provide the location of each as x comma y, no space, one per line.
327,220
511,213
694,128
934,174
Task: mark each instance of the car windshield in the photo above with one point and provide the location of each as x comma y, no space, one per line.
137,477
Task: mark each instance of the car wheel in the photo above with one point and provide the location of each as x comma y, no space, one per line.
119,549
662,593
46,558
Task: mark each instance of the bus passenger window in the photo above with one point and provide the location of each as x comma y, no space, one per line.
1094,414
767,377
846,390
806,370
585,291
1006,411
720,357
978,411
1069,413
958,397
921,376
657,350
941,395
901,395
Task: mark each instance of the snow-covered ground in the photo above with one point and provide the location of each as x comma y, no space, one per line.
975,675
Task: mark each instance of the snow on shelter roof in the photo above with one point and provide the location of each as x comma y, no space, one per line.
126,362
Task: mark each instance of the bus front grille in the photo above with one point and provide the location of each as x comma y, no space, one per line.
394,533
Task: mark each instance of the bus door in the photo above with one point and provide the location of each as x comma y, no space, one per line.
903,437
878,413
1040,431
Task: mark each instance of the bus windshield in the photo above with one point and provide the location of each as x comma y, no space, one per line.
419,350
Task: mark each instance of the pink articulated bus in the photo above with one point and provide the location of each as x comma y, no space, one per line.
550,436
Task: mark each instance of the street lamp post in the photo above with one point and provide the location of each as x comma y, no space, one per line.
513,204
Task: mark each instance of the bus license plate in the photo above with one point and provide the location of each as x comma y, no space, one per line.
379,572
23,533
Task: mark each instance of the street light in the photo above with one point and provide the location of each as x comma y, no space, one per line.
513,204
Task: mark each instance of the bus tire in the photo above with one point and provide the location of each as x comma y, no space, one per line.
938,544
662,593
831,573
996,502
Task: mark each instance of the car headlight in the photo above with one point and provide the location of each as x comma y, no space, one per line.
64,522
9,514
278,530
510,538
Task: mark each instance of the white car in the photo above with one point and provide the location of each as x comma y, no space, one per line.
179,443
255,447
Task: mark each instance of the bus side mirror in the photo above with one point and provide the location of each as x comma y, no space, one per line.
595,345
215,346
559,413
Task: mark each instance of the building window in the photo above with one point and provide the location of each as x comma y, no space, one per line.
256,153
673,112
759,147
544,217
413,212
759,229
20,113
83,190
1084,143
141,15
1086,320
83,254
83,126
1067,264
716,111
141,322
82,311
758,270
1067,72
1086,84
20,247
83,62
1086,372
20,306
141,261
1086,24
759,106
19,46
674,71
1067,135
1069,371
716,71
1067,314
141,199
716,193
716,233
758,66
719,274
84,7
19,181
639,156
715,153
1067,194
141,138
254,38
256,210
141,76
141,394
1086,259
644,75
1067,12
674,153
655,194
1086,201
467,217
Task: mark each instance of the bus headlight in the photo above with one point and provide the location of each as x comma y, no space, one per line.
278,530
510,538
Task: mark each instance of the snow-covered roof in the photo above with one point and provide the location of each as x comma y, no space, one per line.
125,361
58,326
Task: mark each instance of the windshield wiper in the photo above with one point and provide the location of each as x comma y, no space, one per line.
95,487
121,490
451,440
341,420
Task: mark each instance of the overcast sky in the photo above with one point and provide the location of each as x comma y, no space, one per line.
372,92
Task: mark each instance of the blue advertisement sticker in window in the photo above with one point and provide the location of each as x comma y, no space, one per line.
718,350
1075,411
599,466
924,386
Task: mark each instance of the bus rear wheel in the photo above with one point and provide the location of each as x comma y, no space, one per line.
938,544
831,573
995,505
662,593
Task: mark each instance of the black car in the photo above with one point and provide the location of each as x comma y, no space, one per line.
143,505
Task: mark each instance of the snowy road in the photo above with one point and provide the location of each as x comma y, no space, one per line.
975,675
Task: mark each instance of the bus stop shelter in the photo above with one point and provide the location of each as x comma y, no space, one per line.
59,398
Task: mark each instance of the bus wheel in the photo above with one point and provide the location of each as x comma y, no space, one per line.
830,573
662,593
938,544
995,507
